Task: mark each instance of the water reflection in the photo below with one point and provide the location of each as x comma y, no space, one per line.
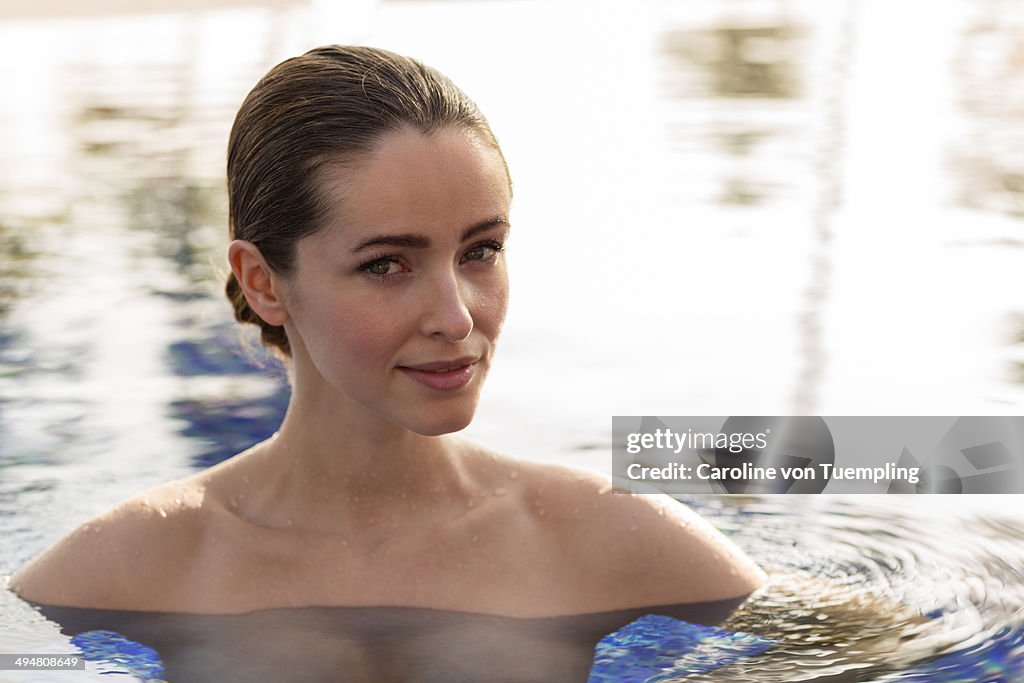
186,216
715,65
16,267
989,158
139,153
739,61
232,415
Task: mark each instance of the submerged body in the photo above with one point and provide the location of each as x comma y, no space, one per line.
357,644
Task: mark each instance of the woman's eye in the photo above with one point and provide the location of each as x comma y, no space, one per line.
482,252
383,266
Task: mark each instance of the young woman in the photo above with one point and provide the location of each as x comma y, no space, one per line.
369,208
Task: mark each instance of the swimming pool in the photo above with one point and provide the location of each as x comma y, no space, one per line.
772,161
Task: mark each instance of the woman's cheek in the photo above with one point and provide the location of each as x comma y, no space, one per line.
367,337
491,305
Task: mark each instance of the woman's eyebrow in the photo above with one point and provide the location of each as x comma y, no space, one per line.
421,242
483,226
408,240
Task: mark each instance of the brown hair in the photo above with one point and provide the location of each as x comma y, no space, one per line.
331,105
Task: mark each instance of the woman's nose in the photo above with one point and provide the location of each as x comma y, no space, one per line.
445,309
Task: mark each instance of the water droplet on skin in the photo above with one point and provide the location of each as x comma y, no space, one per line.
499,492
540,512
514,474
634,527
475,539
163,513
177,501
233,502
245,478
344,543
289,522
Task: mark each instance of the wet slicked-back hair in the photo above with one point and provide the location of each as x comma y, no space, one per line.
330,106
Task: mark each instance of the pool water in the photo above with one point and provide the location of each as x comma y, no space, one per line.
824,196
882,588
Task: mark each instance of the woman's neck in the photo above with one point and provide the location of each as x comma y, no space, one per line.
334,465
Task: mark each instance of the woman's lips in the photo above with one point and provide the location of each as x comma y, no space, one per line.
442,376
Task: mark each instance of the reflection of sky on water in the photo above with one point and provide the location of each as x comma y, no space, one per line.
743,208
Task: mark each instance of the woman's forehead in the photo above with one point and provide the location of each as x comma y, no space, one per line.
445,181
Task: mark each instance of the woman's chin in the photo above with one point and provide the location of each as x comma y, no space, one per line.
437,425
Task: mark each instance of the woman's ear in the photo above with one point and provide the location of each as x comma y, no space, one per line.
263,289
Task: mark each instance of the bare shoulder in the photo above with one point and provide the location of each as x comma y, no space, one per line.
120,558
643,549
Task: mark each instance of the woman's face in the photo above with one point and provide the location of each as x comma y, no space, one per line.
397,303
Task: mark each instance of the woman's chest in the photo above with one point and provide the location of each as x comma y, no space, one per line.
492,564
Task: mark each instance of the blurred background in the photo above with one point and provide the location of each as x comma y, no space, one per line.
722,207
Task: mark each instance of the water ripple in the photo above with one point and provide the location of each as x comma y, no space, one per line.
857,593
